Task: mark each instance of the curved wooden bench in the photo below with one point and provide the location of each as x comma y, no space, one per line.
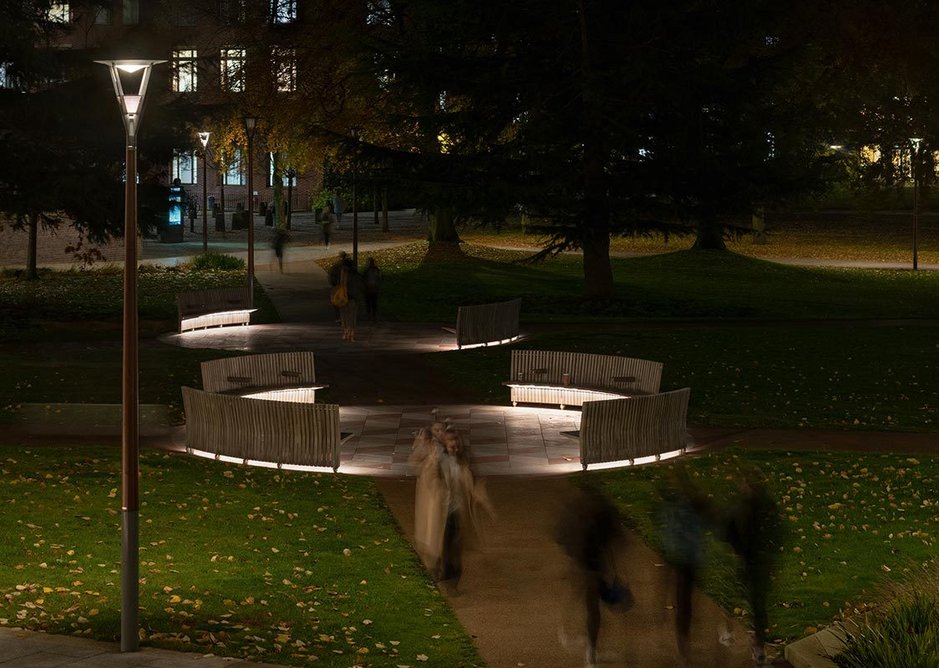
274,376
483,324
633,427
278,432
570,379
214,307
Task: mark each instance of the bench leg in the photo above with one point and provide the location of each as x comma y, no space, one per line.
585,466
514,404
562,407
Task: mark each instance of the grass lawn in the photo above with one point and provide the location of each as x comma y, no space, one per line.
851,521
266,565
423,287
843,237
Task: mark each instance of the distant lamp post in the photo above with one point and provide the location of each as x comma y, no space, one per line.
251,123
130,79
291,174
204,138
914,168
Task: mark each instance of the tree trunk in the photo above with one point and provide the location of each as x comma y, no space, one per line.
441,228
598,272
710,234
280,218
32,273
384,208
374,203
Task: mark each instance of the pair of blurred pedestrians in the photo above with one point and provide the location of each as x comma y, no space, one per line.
349,287
749,523
591,533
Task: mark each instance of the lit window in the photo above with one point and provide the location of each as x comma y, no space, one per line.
185,70
283,11
131,13
234,175
284,62
233,70
184,166
103,16
6,78
59,12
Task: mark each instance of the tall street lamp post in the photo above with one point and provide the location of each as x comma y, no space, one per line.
914,167
134,75
355,206
251,123
204,138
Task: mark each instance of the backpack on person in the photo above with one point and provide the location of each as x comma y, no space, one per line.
340,294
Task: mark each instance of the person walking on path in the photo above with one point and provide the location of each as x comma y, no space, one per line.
335,274
329,218
339,206
346,297
430,498
372,278
279,243
590,531
753,530
447,501
684,516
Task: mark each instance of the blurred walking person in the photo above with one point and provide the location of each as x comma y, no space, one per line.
328,220
430,499
448,501
590,531
684,516
351,282
753,530
281,237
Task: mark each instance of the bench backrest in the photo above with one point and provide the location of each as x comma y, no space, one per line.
485,323
250,372
270,431
639,426
619,374
198,302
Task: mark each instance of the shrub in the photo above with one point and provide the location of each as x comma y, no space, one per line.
216,262
902,632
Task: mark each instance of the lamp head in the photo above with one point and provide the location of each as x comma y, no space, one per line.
204,138
130,79
251,123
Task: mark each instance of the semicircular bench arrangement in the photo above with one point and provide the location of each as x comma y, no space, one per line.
645,425
487,324
260,408
213,307
569,378
274,376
